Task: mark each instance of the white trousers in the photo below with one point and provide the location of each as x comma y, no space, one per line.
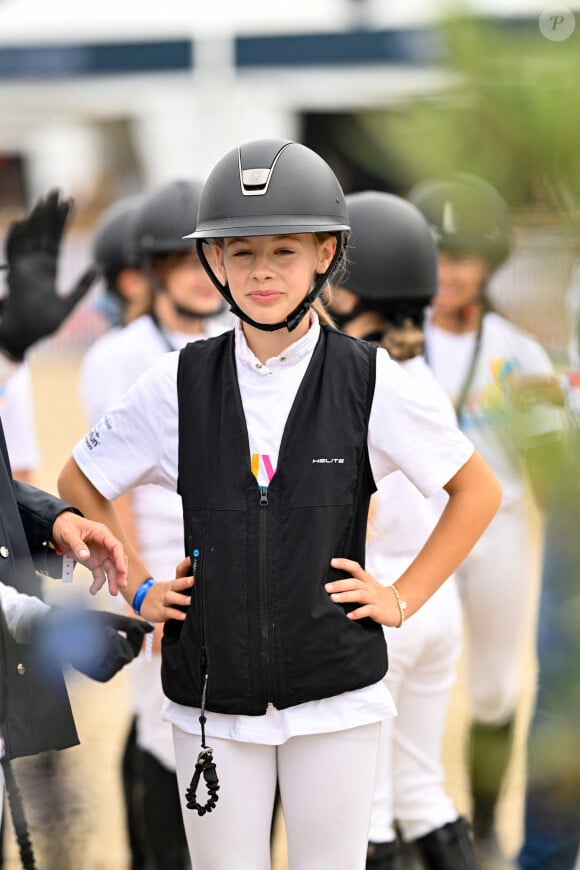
325,785
497,588
409,784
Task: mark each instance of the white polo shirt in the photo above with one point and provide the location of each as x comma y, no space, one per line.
137,442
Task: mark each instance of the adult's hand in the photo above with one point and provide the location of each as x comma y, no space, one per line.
94,546
95,642
32,308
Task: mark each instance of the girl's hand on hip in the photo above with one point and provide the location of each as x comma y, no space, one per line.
164,597
378,602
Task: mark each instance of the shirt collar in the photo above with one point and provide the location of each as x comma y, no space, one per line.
294,353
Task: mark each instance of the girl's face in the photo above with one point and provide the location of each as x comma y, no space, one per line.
188,285
461,278
269,276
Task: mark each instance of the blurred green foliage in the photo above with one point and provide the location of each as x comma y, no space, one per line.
510,112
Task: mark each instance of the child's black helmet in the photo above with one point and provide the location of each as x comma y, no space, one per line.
467,216
391,252
113,240
271,187
166,214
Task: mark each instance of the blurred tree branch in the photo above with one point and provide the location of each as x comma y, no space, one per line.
510,114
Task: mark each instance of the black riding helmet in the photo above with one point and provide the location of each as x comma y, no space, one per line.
467,216
391,255
113,240
271,187
166,214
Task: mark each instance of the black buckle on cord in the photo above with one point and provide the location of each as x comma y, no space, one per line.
205,765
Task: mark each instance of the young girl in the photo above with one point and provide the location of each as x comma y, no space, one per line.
478,356
391,278
274,434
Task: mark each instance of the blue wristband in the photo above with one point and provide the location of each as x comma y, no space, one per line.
140,594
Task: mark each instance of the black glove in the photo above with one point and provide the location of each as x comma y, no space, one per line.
32,308
95,642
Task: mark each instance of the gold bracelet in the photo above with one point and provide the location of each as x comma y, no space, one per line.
402,605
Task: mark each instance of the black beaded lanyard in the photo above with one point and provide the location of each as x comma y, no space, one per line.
205,765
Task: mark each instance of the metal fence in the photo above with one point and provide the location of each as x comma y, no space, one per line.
529,289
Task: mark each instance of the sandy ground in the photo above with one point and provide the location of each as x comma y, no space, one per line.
78,820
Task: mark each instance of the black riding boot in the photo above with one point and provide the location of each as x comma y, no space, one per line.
490,750
448,848
384,856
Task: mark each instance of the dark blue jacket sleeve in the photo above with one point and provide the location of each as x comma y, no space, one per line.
35,712
38,511
27,516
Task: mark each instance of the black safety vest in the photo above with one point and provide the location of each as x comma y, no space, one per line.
260,623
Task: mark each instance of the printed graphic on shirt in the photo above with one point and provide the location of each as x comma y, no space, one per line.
262,461
93,438
490,404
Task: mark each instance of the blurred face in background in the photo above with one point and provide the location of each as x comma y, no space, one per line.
461,279
186,283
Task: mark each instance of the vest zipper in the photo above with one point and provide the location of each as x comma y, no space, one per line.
195,556
263,583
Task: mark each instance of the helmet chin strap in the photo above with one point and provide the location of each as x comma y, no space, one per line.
191,314
341,320
181,310
295,317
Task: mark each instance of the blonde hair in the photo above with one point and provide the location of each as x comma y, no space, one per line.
323,313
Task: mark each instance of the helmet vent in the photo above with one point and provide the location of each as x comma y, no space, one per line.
449,219
255,181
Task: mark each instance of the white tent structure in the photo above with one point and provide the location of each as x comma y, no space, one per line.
168,87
